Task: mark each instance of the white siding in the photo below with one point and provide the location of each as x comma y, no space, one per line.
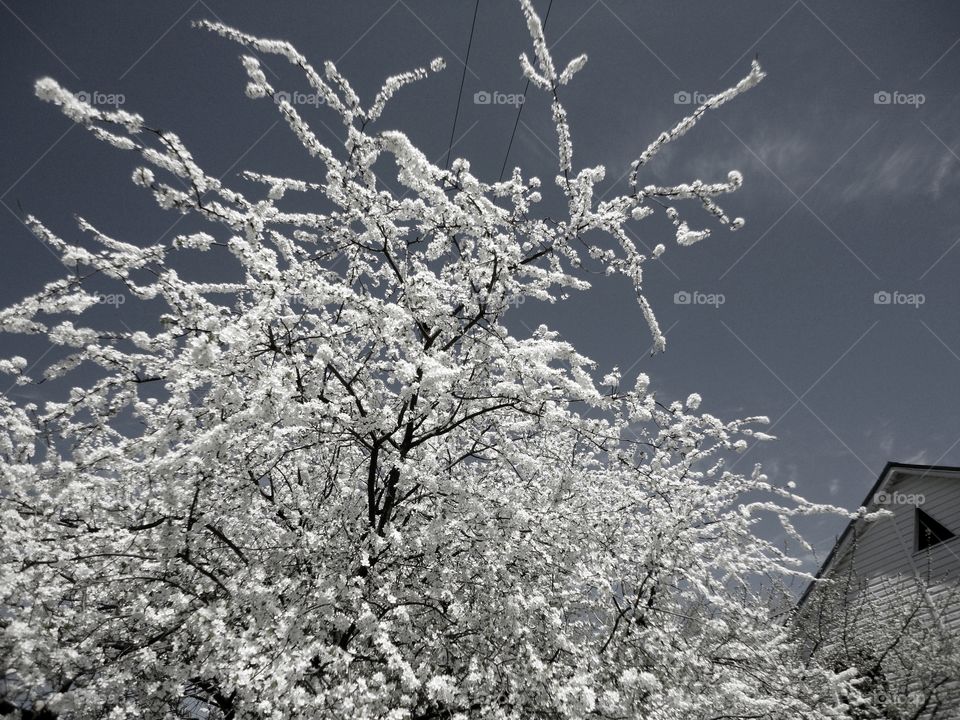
884,554
886,547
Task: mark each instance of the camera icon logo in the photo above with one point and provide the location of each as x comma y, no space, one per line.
882,98
682,298
882,297
482,97
682,98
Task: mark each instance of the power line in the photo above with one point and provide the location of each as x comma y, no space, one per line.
520,109
463,78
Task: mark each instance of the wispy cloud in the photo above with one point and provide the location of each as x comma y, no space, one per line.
921,457
915,167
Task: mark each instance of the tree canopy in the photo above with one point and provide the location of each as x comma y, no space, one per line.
340,487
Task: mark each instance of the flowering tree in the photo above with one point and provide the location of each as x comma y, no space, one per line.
351,491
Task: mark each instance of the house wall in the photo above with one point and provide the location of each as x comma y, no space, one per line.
884,555
886,547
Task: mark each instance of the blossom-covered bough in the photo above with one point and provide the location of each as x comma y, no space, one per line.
350,491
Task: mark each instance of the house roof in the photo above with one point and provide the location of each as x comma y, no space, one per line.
890,470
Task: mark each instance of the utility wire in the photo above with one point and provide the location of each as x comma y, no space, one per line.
463,78
520,109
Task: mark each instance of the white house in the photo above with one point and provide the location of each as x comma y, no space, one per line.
896,585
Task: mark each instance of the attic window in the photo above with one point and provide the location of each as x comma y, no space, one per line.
929,531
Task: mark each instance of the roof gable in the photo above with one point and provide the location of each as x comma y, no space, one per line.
878,496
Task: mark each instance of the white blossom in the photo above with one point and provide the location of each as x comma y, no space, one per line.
328,480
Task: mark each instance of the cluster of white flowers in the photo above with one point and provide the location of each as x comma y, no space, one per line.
339,487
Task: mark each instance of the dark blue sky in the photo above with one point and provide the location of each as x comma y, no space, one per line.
845,195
